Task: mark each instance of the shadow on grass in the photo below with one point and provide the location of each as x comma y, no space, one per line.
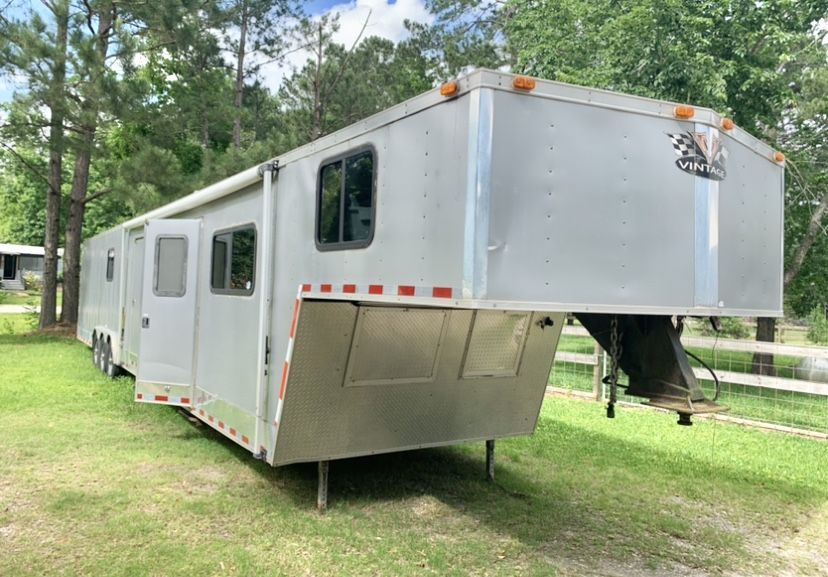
584,495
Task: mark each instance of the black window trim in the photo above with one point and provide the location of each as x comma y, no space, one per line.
236,292
110,255
351,244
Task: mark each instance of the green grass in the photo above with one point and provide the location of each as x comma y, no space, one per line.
25,298
17,323
93,484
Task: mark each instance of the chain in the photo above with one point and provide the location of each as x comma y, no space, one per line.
615,355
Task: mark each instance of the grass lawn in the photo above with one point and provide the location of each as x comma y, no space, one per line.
93,484
25,298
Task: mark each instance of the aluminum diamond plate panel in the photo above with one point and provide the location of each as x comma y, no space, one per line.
395,345
496,343
322,419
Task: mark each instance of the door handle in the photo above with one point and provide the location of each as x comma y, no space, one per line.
145,322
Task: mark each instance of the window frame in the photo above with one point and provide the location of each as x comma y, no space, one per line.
350,244
230,291
110,258
157,260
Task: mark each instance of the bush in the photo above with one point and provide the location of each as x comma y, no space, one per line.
32,282
732,328
818,326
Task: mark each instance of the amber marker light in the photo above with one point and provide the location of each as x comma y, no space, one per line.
449,89
523,83
727,124
683,111
778,156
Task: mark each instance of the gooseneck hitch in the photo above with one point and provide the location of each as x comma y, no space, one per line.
647,348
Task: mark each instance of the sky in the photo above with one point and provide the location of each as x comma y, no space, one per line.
386,20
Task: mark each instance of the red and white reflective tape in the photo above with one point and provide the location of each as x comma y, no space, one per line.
166,399
297,306
222,427
348,291
390,290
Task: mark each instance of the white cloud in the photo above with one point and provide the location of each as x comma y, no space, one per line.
384,20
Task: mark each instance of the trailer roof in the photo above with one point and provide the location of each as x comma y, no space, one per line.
480,78
24,250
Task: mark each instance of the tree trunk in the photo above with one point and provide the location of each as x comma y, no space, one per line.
766,327
80,180
205,132
765,332
48,300
240,77
316,128
807,241
74,229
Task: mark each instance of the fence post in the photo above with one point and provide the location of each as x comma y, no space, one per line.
597,373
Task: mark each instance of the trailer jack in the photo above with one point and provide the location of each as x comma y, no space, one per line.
652,356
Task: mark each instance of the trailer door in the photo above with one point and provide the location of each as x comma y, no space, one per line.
166,357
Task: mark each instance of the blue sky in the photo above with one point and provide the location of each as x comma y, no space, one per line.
386,20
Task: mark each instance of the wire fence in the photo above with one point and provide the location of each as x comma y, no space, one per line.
792,394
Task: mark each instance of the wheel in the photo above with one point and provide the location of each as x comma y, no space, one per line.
102,354
106,359
96,351
111,369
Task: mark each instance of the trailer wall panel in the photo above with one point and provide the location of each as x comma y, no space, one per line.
418,239
227,338
100,299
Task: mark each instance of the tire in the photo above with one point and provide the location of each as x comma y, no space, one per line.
111,369
106,358
96,351
102,354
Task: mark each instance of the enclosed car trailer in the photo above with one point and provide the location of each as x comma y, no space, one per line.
402,283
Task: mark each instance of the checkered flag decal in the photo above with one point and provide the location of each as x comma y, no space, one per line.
684,145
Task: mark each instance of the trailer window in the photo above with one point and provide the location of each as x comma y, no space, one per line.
170,278
233,268
110,265
345,203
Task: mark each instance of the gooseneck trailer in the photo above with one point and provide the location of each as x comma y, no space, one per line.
402,283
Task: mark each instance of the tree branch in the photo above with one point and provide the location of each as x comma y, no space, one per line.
810,236
29,166
97,195
343,66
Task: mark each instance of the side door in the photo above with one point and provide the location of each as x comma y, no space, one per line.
166,355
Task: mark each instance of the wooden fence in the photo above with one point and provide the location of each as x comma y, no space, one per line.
597,360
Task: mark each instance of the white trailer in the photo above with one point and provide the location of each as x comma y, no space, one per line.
402,283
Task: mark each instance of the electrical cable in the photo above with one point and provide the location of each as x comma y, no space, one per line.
710,370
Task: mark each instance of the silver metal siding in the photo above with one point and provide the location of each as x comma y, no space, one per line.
588,207
750,232
227,336
134,298
99,298
418,240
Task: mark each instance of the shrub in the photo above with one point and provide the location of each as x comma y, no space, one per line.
818,326
32,282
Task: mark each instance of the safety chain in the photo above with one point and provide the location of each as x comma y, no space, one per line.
615,355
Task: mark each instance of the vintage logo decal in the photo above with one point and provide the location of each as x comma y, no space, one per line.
699,156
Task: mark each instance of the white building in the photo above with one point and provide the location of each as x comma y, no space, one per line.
17,259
